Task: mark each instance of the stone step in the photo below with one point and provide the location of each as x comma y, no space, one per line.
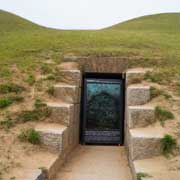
62,113
136,75
157,168
145,142
53,136
73,132
138,95
67,93
140,116
71,77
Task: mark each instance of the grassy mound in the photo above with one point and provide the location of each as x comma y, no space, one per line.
29,55
151,40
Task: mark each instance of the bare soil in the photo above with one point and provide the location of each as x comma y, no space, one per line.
172,127
20,159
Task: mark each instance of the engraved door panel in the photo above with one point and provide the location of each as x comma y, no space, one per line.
103,108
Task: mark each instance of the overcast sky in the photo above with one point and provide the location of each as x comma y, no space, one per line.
86,14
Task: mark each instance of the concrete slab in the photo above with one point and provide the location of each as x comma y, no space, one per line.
96,163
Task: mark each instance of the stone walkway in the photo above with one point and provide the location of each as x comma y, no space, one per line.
96,163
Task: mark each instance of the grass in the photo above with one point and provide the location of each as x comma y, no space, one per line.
45,69
155,92
5,72
10,88
162,114
33,115
12,178
39,104
39,112
29,135
26,116
16,98
141,175
7,101
31,79
168,144
50,77
154,77
7,123
152,40
51,90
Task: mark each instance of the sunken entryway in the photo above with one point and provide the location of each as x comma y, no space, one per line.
102,109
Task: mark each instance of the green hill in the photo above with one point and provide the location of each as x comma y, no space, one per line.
29,58
150,40
11,23
162,22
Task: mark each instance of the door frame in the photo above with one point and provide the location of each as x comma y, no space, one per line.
105,76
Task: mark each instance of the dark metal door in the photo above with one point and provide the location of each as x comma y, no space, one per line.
103,110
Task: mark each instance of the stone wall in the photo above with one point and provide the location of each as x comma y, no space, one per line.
100,64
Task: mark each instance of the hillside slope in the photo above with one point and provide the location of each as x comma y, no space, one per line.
153,40
161,22
29,68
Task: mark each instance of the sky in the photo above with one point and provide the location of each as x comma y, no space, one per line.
86,14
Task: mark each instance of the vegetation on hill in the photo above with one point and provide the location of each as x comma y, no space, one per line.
151,40
29,55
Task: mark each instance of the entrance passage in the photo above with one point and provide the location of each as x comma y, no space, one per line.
103,101
96,163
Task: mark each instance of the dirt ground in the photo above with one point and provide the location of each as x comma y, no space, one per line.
18,159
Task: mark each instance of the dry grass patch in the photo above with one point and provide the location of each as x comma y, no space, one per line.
162,114
29,135
169,143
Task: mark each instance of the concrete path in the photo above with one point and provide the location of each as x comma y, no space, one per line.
96,163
